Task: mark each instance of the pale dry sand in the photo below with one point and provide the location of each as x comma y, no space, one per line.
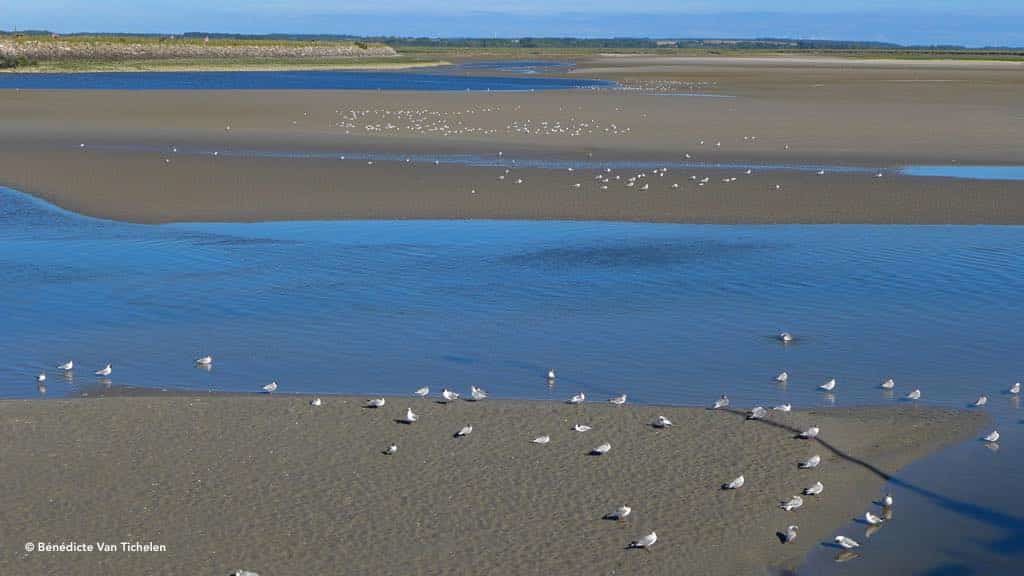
274,485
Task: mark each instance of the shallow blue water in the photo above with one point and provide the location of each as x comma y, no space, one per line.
970,172
666,313
289,80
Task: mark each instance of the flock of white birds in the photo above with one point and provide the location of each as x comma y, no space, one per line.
794,502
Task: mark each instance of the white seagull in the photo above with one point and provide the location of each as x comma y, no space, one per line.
661,422
476,394
316,402
914,394
872,519
645,542
887,501
734,484
793,503
811,462
618,400
205,361
1015,389
814,489
270,388
847,542
551,374
577,399
105,371
449,395
790,534
785,337
41,377
581,428
410,416
541,439
829,385
784,408
67,366
889,384
757,413
376,403
783,377
602,449
981,401
722,402
422,392
992,436
391,449
620,513
464,431
810,433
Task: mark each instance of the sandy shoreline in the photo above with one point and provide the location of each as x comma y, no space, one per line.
828,115
280,487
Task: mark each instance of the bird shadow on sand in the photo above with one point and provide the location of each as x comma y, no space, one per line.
405,422
1012,541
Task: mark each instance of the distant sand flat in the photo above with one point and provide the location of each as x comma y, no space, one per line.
277,486
826,112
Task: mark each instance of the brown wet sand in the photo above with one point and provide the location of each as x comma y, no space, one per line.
786,111
277,486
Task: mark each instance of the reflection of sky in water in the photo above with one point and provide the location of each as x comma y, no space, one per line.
665,313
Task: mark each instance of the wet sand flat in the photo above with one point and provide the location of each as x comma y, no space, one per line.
785,111
274,485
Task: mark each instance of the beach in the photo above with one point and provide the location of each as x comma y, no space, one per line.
148,156
276,486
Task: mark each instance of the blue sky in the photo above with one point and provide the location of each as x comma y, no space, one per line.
974,23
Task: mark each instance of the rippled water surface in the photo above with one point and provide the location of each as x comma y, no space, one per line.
666,313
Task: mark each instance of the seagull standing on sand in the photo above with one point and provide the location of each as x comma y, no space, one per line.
577,399
661,422
814,489
376,403
829,385
992,436
410,416
449,396
476,394
722,402
790,534
783,408
67,366
782,378
602,449
105,371
981,401
792,504
581,428
734,484
811,462
205,361
464,431
618,400
391,449
619,514
422,392
847,542
646,542
270,388
541,439
316,402
889,384
914,394
757,413
872,519
810,433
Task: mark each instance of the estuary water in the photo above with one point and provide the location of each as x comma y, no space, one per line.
666,313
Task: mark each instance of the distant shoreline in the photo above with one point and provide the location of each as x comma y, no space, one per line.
171,66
